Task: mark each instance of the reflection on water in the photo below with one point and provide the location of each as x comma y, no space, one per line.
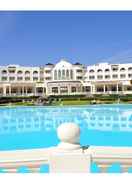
35,127
35,119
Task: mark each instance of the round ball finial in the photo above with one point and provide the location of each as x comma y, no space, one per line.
69,133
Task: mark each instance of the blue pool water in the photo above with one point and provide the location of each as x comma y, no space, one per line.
35,127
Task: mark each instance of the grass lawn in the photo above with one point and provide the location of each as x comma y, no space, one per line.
76,100
24,103
81,102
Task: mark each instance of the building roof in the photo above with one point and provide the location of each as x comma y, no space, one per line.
63,64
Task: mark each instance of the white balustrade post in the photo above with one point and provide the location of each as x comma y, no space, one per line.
69,156
69,135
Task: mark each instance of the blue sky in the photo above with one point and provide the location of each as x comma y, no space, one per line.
36,38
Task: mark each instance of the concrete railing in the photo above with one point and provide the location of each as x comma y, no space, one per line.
68,156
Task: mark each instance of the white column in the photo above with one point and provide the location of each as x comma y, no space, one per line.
42,93
117,87
69,89
107,88
90,89
104,88
93,89
47,90
23,90
19,90
10,90
35,91
26,90
123,89
4,90
58,90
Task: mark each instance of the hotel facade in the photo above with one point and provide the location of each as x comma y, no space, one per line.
65,78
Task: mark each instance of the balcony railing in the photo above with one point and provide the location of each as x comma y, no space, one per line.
68,156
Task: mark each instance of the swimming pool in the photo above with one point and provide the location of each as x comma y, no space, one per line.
35,127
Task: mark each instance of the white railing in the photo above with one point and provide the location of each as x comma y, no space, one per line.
11,161
68,156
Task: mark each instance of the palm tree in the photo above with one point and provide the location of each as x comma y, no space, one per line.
49,64
77,63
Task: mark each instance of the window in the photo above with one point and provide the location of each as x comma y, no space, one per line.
99,70
55,90
122,76
55,75
100,89
114,69
39,90
19,78
91,71
14,90
19,72
73,89
4,78
47,78
11,71
107,76
11,78
27,72
79,71
79,77
35,78
4,72
99,77
64,89
107,70
86,88
29,90
91,77
129,88
59,74
47,71
41,79
115,76
28,78
122,69
71,74
35,72
130,69
130,75
67,74
63,74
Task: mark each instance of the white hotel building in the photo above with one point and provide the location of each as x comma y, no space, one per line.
65,78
